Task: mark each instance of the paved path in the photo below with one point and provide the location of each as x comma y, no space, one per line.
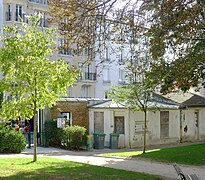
139,165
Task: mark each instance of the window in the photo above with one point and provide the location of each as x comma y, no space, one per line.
106,54
105,95
40,1
67,116
121,59
196,118
88,51
43,22
19,13
85,91
80,67
69,92
106,75
119,126
121,75
164,124
63,46
87,72
8,13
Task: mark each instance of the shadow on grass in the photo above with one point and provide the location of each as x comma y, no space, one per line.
190,155
49,168
30,162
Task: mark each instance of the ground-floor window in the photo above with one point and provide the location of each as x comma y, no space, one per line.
164,124
67,116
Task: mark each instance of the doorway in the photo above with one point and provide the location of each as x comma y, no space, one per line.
119,127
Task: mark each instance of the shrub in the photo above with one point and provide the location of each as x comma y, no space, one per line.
11,141
74,137
54,135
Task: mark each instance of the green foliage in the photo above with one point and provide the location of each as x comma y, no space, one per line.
73,137
11,141
32,80
134,96
54,135
1,98
177,42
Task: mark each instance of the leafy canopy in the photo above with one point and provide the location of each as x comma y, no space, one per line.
177,42
134,96
29,77
175,31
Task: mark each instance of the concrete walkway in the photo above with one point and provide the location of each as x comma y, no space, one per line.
132,164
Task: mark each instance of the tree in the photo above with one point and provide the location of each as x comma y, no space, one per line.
29,77
135,97
177,40
174,30
137,93
83,23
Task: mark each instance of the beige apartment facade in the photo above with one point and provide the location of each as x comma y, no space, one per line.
14,11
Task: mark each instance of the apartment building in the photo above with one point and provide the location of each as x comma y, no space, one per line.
16,10
112,71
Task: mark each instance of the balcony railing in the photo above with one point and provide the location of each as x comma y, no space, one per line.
40,1
88,76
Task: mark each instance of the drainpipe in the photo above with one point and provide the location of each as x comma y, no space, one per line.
129,129
180,140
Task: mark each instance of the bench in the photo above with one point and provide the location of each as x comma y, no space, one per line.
183,176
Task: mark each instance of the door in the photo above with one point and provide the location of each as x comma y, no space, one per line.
119,127
99,122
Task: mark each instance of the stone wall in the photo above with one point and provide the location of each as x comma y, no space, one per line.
78,109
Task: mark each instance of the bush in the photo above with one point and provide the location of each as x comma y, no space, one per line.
74,137
54,135
11,141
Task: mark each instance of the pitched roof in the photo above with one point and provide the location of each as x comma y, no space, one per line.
157,102
107,104
187,99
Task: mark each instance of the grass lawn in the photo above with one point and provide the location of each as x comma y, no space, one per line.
50,168
191,155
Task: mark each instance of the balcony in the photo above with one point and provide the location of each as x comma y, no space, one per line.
88,76
121,61
121,82
45,2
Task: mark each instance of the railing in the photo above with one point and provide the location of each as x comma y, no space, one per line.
121,61
88,76
40,1
121,82
42,139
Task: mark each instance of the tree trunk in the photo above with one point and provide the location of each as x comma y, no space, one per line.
34,122
34,139
145,131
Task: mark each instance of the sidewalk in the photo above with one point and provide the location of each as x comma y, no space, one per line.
139,165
